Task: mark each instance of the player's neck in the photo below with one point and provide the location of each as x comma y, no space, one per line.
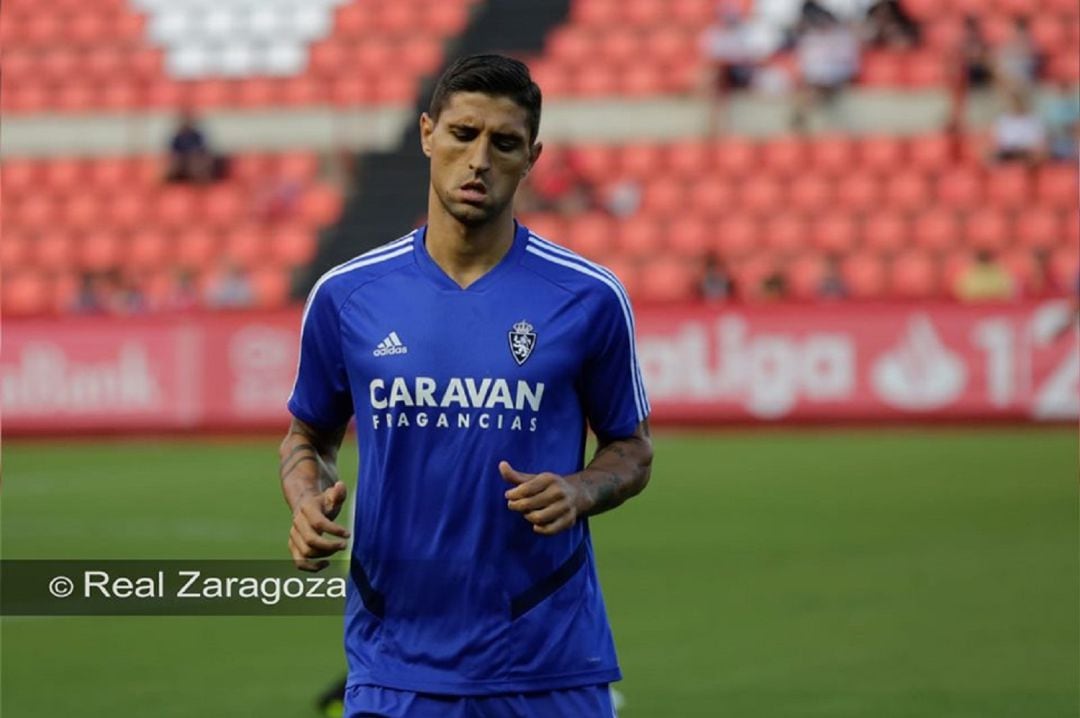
467,253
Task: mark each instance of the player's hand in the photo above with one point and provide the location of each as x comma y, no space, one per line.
548,501
312,517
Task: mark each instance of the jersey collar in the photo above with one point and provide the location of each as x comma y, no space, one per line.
434,272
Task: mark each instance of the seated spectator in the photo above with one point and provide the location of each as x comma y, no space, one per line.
623,198
828,60
984,280
731,60
190,157
1018,134
969,67
182,294
125,294
230,289
717,284
1017,62
1061,114
91,296
1042,282
889,27
774,287
832,284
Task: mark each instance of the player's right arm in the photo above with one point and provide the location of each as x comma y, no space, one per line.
309,481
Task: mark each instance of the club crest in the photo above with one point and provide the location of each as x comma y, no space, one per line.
522,341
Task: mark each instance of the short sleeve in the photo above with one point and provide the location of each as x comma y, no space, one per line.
615,401
321,395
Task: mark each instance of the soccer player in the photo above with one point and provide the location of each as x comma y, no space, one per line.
474,356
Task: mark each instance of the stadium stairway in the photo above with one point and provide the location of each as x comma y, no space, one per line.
392,185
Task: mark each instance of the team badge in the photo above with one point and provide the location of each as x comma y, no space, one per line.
522,341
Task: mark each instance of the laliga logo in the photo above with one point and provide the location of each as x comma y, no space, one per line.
921,373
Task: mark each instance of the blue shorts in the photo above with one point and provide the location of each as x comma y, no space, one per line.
378,702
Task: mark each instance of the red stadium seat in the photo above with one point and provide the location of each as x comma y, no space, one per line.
271,286
690,237
930,153
63,176
664,197
177,206
886,232
303,91
835,232
1009,187
644,13
1040,227
617,47
689,159
34,211
82,212
571,45
640,237
960,188
804,275
256,92
99,251
225,205
937,230
736,235
1065,265
246,245
786,234
320,205
26,293
595,13
925,68
640,161
859,191
595,80
591,235
149,250
712,196
749,273
987,228
881,68
55,250
596,163
735,158
669,45
760,194
865,276
882,154
691,13
914,275
110,174
127,210
19,176
784,156
15,250
445,19
907,190
667,279
1057,186
810,193
641,80
197,247
548,226
833,155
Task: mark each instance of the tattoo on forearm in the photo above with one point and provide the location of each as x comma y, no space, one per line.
307,457
299,447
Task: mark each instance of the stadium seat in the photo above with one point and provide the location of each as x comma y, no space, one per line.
937,230
810,193
664,197
987,228
196,247
54,249
760,194
668,279
596,163
15,250
271,285
1057,186
640,162
711,197
99,251
688,159
591,235
25,293
736,235
834,232
885,232
784,156
804,275
864,274
1040,227
320,205
690,237
641,80
882,154
930,153
735,158
750,271
640,238
246,245
960,188
833,155
1009,187
148,250
786,234
907,190
881,68
595,81
1065,264
913,275
858,191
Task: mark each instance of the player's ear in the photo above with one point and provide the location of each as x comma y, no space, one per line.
534,155
427,128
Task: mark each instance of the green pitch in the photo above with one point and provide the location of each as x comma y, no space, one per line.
871,574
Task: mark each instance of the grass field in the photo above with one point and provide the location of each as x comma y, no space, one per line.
834,574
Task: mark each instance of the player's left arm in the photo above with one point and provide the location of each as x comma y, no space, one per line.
552,503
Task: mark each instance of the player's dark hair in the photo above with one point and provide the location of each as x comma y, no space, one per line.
494,75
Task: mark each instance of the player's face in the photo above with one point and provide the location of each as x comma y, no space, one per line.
480,151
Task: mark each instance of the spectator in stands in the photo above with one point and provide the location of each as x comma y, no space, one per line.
832,284
774,287
182,294
125,296
717,284
828,58
889,27
969,67
1042,282
1018,134
623,198
1061,114
731,60
984,280
190,156
557,186
230,289
1017,61
90,296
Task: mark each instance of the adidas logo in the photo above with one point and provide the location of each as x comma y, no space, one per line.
391,345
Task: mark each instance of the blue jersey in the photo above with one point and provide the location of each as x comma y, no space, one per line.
450,591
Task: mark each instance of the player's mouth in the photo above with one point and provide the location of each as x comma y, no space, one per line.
473,192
